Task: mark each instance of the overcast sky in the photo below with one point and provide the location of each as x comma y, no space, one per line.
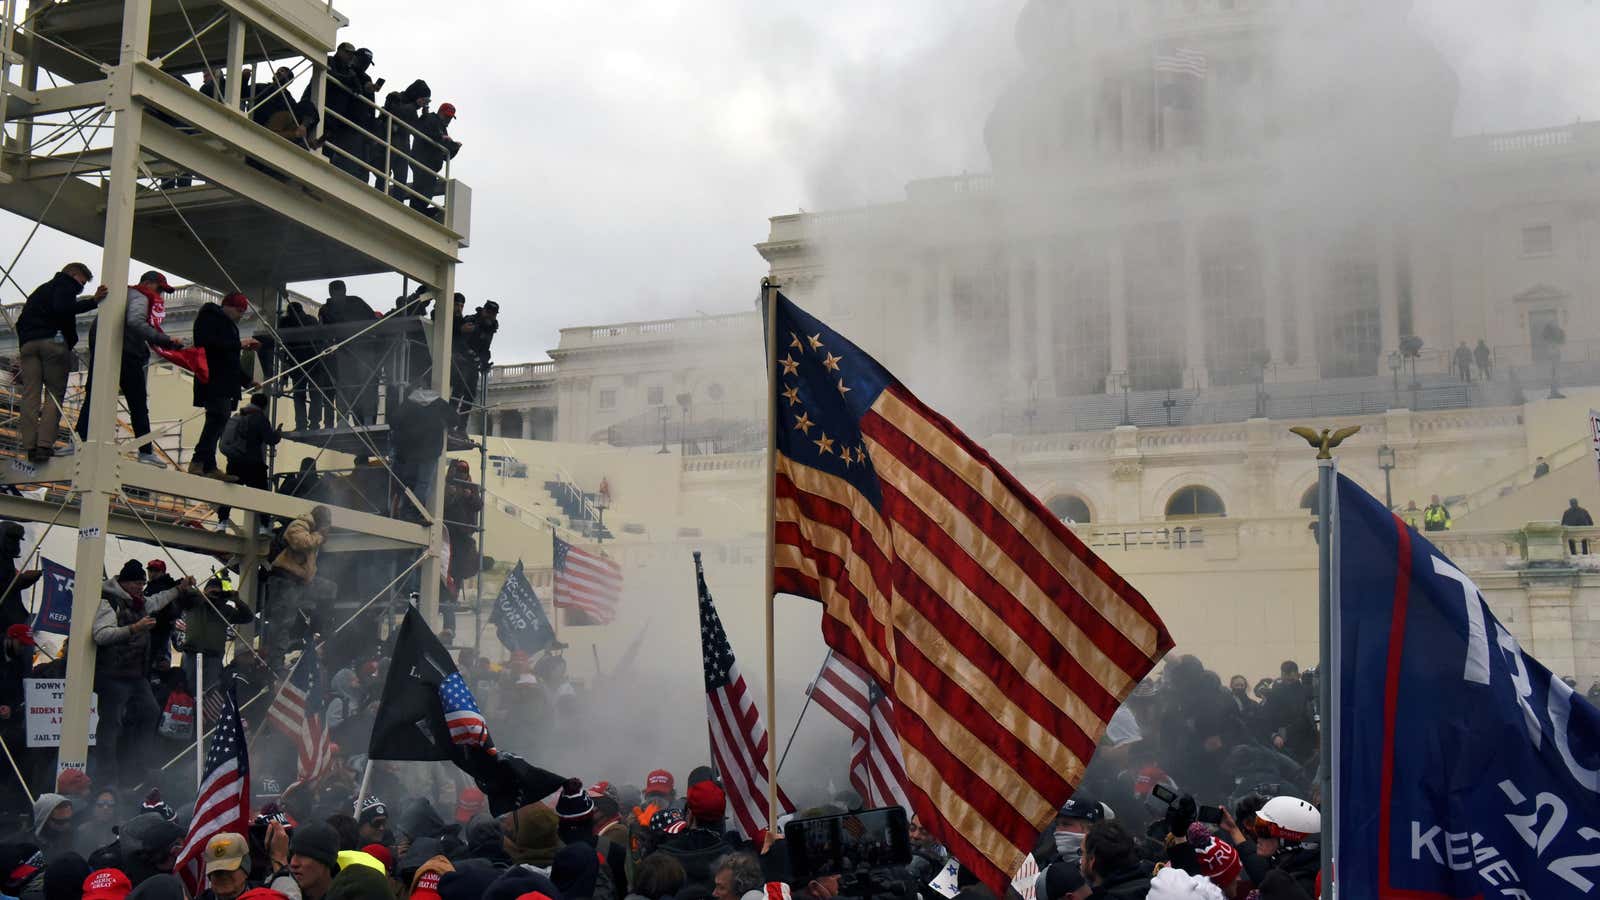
624,157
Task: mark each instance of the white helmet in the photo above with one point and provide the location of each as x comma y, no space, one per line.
1289,819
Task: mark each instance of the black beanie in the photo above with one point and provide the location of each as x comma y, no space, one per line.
64,877
132,570
317,841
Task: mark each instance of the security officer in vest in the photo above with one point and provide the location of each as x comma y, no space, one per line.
1435,517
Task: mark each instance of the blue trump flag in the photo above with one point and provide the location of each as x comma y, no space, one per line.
1464,768
55,599
519,618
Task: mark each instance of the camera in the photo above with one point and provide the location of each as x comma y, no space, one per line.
867,850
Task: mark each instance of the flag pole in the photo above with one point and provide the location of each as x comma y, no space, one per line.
555,611
1327,595
769,301
366,781
802,717
200,720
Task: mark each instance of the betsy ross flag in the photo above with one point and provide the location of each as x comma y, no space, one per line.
738,736
1463,767
585,582
1182,61
1004,644
426,711
849,694
300,712
223,803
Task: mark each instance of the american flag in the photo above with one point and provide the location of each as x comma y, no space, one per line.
850,695
461,713
1003,642
1182,61
738,736
299,711
223,803
586,582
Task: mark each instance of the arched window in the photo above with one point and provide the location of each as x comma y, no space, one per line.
1194,502
1308,500
1069,508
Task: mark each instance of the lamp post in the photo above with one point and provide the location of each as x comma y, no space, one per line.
1395,364
664,414
1386,463
1126,383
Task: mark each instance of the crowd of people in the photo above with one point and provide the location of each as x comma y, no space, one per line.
1200,789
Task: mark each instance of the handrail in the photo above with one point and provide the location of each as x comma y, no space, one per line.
1558,458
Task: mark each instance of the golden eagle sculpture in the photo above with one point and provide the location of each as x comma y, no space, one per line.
1326,440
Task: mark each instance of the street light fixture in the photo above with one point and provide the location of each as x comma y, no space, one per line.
664,414
1386,463
1126,383
1395,365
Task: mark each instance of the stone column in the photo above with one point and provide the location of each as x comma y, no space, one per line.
527,424
1304,287
1017,335
495,427
1272,294
1117,300
1388,292
1046,295
1193,320
945,305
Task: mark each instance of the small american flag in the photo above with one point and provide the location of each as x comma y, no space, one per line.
738,736
299,712
586,582
1182,61
223,803
850,695
461,713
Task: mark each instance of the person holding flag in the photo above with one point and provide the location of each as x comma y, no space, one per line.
427,712
223,805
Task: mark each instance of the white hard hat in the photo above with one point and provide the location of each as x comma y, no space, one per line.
1290,818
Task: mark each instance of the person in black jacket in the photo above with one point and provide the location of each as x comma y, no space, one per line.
355,365
216,330
418,429
406,109
47,330
430,151
247,459
12,610
16,661
1111,863
312,383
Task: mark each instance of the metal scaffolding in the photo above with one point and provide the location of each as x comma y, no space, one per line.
192,185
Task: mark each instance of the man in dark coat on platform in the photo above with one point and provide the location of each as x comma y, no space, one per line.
216,330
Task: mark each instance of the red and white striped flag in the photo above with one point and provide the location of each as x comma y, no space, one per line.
738,736
1183,61
1004,642
586,582
224,800
300,712
850,695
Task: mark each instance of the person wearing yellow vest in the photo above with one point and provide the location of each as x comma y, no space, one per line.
1435,517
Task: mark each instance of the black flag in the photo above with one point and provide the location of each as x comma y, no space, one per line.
519,618
411,723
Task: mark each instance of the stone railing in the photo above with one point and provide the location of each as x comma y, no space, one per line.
1139,536
1094,444
1164,438
522,372
656,330
1467,420
741,463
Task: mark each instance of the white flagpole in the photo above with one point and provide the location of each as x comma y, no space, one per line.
770,303
199,720
366,780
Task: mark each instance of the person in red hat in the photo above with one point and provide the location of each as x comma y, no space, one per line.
216,331
106,884
431,150
702,843
16,660
141,331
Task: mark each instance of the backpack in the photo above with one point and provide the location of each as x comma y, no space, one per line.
232,443
177,720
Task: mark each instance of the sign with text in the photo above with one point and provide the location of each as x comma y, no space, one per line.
1463,767
55,599
45,699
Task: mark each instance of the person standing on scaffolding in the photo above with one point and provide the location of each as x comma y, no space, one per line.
47,330
216,331
355,365
140,333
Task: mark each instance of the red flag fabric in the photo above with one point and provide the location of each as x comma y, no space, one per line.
192,359
1003,642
